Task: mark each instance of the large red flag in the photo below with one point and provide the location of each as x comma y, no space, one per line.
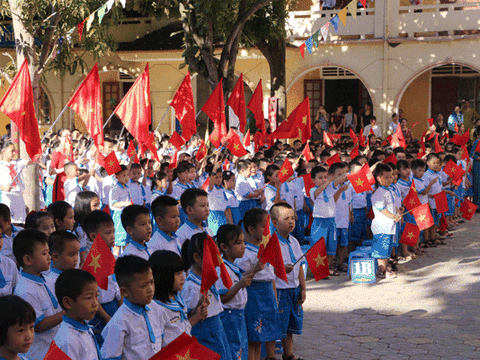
215,110
211,260
410,234
441,202
185,347
100,262
246,139
236,102
288,129
184,107
412,200
87,103
273,255
285,171
256,107
134,109
18,105
173,162
423,216
55,353
258,140
369,174
317,260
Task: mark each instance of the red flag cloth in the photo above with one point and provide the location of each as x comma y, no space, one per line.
391,158
273,255
185,347
134,109
371,214
173,162
326,140
412,201
202,151
410,234
359,181
215,138
100,262
265,237
415,124
256,107
215,110
364,3
285,171
307,154
371,132
246,139
441,202
226,165
151,144
87,103
111,164
184,108
422,152
211,260
55,353
353,136
438,148
258,140
106,209
333,159
206,184
80,29
302,47
308,182
354,153
465,155
455,127
398,140
430,122
131,151
235,144
423,216
176,140
237,102
317,260
369,173
453,170
17,104
296,122
363,140
468,209
443,224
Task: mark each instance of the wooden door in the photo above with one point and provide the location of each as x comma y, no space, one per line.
444,95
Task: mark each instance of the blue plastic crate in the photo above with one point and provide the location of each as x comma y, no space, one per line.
362,267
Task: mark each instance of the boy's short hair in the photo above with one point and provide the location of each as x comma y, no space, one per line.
135,166
417,163
317,170
161,204
183,166
93,221
189,197
122,169
275,210
399,150
353,164
432,156
403,164
130,214
242,165
70,283
69,165
334,167
14,310
58,239
381,169
5,213
24,243
126,267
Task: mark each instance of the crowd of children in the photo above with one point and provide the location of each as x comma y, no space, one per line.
156,218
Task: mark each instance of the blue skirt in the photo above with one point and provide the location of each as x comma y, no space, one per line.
120,233
451,205
325,227
236,216
211,333
246,205
358,230
382,246
216,219
261,313
233,321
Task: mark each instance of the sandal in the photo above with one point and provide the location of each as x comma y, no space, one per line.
390,275
334,273
381,274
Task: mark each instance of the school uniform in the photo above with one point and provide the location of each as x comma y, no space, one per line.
187,230
156,193
324,218
177,190
163,241
77,340
217,202
107,184
233,205
435,189
138,193
460,190
342,216
243,189
35,290
8,275
71,187
134,332
209,332
383,228
420,185
290,312
397,200
357,230
52,277
298,190
198,182
7,248
403,187
261,310
119,193
233,315
13,198
175,319
137,249
93,185
450,199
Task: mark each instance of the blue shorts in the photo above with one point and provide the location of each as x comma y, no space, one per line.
435,216
459,192
451,205
382,246
233,321
290,311
246,205
325,227
358,230
210,333
236,216
215,220
342,236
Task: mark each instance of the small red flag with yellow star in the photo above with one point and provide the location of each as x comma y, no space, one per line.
333,159
131,151
441,202
202,151
211,260
285,171
100,262
359,181
265,237
468,209
412,201
152,146
176,140
307,154
354,153
410,234
453,170
423,216
273,255
317,260
55,353
111,164
391,158
235,144
185,347
326,140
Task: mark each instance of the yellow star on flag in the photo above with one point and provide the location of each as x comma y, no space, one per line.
219,259
410,235
359,182
95,263
470,211
304,120
23,113
422,218
215,138
320,260
412,202
236,147
185,357
284,171
110,163
265,239
453,170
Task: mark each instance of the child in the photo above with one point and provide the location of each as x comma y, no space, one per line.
209,332
99,222
74,182
403,185
63,215
219,214
167,218
384,223
8,271
17,331
181,185
9,231
276,191
245,193
432,176
136,330
357,230
292,294
138,191
85,203
136,221
159,185
231,243
168,272
64,248
41,221
261,310
76,291
195,204
30,248
233,204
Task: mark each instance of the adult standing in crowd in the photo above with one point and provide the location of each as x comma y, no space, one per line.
469,115
455,118
367,115
323,117
338,120
351,119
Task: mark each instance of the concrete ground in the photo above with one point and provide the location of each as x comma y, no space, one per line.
430,311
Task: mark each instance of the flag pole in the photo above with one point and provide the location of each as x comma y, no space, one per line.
56,120
163,118
108,120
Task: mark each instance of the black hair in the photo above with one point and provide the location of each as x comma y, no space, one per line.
70,283
130,214
165,264
122,169
57,240
403,164
158,176
14,310
189,197
269,172
252,218
276,208
227,175
34,219
161,204
5,213
193,246
82,205
183,166
354,163
334,167
432,156
59,210
317,170
126,267
24,243
135,166
227,234
417,163
378,153
380,169
399,150
243,165
450,157
93,221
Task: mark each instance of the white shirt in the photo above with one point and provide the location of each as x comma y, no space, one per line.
404,187
271,193
420,185
231,198
376,130
436,187
240,299
293,281
392,127
324,203
162,241
342,209
188,229
242,188
71,188
76,340
178,189
249,260
9,271
13,198
126,334
383,199
139,193
298,190
7,248
217,199
107,184
359,201
134,248
118,193
174,325
191,295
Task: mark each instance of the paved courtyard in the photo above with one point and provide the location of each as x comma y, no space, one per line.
430,311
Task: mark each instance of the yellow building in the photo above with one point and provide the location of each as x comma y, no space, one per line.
421,59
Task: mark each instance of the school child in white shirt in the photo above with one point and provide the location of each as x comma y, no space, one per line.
41,221
9,231
63,215
159,185
8,271
167,219
275,191
219,214
136,330
136,221
233,203
246,195
17,331
181,185
118,199
85,203
74,183
30,248
64,247
357,231
209,332
77,293
138,190
168,272
261,309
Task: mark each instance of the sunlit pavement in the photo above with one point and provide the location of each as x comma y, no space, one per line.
430,311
